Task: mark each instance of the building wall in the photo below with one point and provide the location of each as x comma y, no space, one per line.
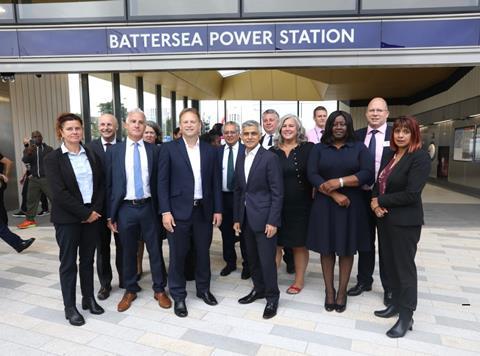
35,104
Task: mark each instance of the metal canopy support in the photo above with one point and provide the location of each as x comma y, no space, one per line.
117,102
85,102
140,93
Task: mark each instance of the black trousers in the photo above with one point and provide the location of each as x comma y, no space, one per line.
9,237
399,247
228,234
135,222
104,268
261,252
366,259
3,211
199,228
76,240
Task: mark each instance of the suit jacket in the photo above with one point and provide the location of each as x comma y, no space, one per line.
116,178
221,152
404,187
67,201
262,197
97,147
176,182
360,136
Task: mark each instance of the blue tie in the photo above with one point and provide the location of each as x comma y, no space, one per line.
372,146
137,172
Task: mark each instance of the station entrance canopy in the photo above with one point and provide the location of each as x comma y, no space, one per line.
348,43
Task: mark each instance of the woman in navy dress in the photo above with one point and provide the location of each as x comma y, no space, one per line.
338,167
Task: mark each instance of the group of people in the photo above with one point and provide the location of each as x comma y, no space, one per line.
279,194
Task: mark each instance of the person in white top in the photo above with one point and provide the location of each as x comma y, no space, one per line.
320,117
270,120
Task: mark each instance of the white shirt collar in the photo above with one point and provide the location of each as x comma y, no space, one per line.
253,152
234,147
197,144
130,142
382,129
65,150
104,142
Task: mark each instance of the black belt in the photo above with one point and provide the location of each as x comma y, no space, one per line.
197,202
138,201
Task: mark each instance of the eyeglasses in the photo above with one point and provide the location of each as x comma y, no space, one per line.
229,133
376,110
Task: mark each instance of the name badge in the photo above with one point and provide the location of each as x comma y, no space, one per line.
386,143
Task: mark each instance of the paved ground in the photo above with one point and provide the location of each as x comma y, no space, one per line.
447,321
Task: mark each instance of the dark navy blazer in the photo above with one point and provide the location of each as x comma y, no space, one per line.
176,183
262,197
116,180
360,136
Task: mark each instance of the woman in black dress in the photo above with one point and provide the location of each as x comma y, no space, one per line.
75,177
293,150
338,225
397,203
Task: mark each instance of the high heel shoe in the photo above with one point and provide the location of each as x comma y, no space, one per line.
400,328
330,306
340,308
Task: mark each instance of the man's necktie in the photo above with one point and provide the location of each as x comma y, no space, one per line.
270,140
107,146
372,146
137,172
230,169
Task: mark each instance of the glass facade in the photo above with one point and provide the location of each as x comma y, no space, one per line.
7,13
303,7
418,6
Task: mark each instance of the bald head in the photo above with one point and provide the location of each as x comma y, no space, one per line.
107,126
377,112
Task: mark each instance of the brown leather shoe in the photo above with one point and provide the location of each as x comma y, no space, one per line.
126,301
163,299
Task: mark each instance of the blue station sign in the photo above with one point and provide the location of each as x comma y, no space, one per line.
231,38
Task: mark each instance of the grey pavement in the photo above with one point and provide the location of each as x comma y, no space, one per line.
447,321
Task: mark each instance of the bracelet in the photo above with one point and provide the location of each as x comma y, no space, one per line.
341,182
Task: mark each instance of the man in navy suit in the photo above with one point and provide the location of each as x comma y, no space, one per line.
228,156
257,209
107,126
132,208
190,197
376,137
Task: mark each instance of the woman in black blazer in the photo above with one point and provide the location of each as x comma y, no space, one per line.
397,203
74,174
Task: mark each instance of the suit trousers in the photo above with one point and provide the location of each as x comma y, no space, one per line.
199,228
228,234
399,247
9,237
36,186
3,211
140,222
366,259
261,252
104,269
76,240
43,198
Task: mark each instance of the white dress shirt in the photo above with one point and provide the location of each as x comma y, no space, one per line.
249,157
104,143
194,157
130,195
226,151
83,172
266,140
379,144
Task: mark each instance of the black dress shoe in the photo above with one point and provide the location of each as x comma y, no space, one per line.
180,309
208,298
251,297
400,328
25,244
387,298
390,311
358,289
104,293
270,310
245,273
73,316
227,270
91,304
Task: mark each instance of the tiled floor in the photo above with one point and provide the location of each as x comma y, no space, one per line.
447,321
